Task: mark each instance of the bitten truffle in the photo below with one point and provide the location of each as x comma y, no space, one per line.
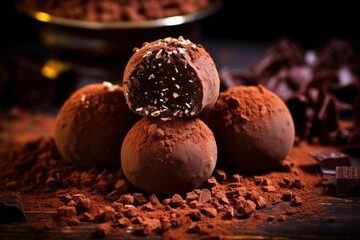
171,78
168,157
253,128
92,124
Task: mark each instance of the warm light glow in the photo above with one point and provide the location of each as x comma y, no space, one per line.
41,16
52,69
174,20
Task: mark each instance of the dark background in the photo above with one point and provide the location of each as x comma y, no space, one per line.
303,22
236,36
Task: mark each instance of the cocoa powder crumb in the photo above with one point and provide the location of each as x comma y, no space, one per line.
220,175
205,196
282,218
236,178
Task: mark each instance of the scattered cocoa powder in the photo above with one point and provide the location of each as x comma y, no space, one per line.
33,167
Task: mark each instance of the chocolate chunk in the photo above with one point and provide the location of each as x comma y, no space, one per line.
353,143
236,77
287,196
11,208
337,53
330,160
297,201
297,105
347,180
205,196
328,124
220,175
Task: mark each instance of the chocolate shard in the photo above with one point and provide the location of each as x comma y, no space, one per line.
329,160
298,106
328,117
347,180
353,143
236,77
11,208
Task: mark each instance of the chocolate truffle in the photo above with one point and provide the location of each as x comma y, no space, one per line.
253,128
92,124
171,78
168,157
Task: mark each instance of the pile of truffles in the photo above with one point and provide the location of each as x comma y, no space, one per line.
169,150
321,88
156,149
170,122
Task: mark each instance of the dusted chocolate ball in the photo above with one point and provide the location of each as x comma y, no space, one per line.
171,78
92,124
253,128
168,157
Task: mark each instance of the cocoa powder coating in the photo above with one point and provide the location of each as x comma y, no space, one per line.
168,157
171,78
253,128
91,126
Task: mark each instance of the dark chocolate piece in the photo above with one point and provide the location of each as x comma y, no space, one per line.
236,77
171,78
353,143
347,180
328,161
329,125
337,53
298,106
283,54
11,208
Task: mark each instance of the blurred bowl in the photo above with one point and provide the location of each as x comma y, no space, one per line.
113,39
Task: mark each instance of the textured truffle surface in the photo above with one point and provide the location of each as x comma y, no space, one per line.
171,78
92,124
253,128
168,157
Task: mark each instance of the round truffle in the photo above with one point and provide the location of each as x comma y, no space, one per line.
168,157
171,78
253,128
92,124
